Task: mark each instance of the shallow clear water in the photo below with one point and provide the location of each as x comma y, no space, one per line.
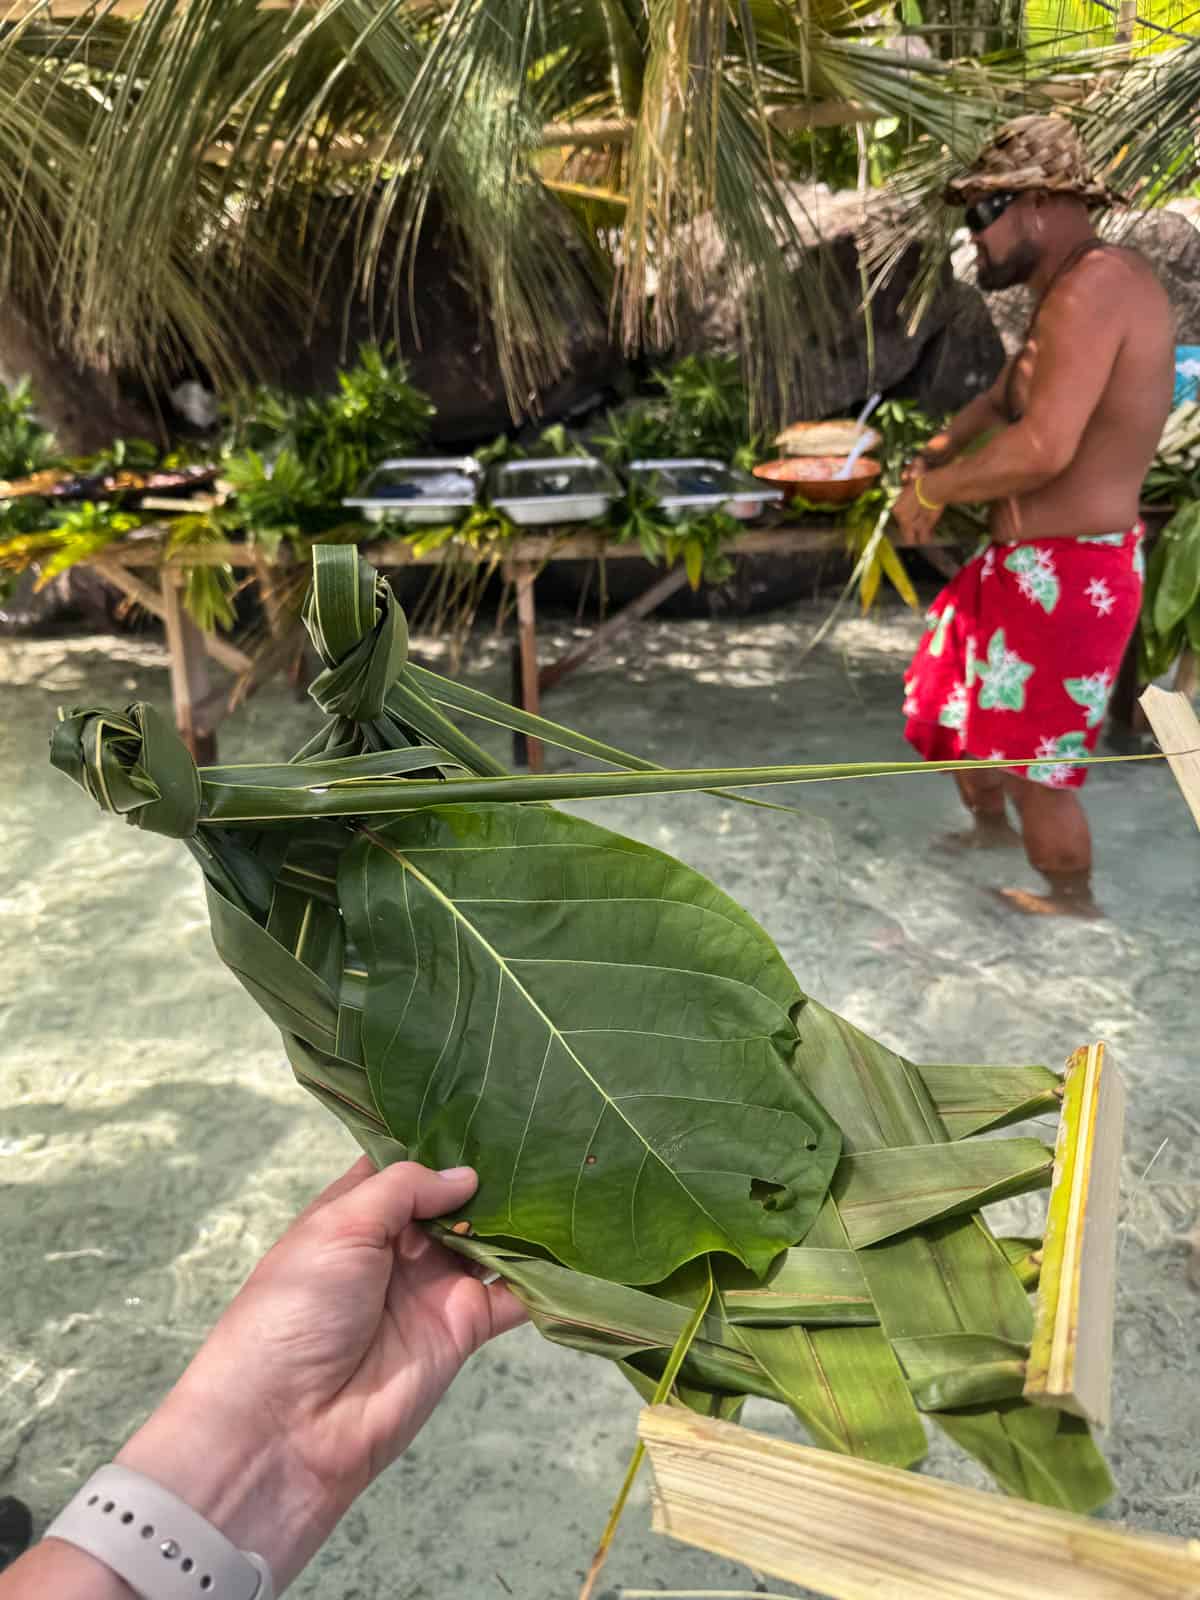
152,1142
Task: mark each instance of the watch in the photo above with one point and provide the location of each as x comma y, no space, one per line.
160,1547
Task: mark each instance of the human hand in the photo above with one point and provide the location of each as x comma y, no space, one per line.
917,522
325,1365
936,453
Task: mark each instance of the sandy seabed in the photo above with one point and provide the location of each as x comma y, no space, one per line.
153,1142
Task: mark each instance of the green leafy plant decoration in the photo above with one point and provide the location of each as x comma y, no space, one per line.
374,412
81,533
25,445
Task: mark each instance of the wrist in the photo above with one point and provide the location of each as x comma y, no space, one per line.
928,500
217,1460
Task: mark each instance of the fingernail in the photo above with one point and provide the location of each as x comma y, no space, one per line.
454,1173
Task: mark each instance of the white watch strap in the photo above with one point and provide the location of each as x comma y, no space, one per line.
161,1547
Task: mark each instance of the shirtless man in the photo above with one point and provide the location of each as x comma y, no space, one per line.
1025,643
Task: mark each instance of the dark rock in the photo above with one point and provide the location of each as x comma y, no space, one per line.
77,595
447,341
831,366
1171,244
962,358
86,410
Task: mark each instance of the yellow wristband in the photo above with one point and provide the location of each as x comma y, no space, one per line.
930,505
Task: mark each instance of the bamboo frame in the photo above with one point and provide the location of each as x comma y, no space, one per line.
1070,1358
858,1531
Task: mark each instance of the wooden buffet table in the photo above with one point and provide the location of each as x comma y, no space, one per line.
137,569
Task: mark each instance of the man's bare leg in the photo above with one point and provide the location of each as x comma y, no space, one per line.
983,794
1058,842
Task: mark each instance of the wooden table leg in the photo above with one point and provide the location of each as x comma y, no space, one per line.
531,699
151,600
190,688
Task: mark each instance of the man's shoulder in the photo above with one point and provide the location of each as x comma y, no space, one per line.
1107,281
1123,267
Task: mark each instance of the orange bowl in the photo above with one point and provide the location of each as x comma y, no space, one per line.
815,477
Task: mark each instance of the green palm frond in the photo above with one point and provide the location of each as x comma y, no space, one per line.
160,178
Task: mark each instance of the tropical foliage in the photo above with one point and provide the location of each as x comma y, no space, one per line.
168,184
1170,617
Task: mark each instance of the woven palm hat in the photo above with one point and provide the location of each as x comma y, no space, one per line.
1033,153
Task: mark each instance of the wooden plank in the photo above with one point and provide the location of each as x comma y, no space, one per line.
604,133
189,675
1070,1358
1177,729
179,505
616,625
799,539
220,649
858,1531
531,701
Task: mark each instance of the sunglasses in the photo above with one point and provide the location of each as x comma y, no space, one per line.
980,216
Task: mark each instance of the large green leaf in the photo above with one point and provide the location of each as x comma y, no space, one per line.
1179,584
598,1029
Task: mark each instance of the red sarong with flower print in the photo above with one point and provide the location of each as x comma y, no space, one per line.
1021,652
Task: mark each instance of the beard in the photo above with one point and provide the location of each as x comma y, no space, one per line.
1018,266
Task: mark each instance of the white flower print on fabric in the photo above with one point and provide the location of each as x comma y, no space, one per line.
988,568
1050,768
1103,538
1101,596
954,712
911,704
1139,558
1092,692
997,755
1004,677
1036,577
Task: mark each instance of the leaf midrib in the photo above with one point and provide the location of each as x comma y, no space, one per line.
444,899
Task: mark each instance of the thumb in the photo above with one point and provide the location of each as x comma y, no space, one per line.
381,1207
